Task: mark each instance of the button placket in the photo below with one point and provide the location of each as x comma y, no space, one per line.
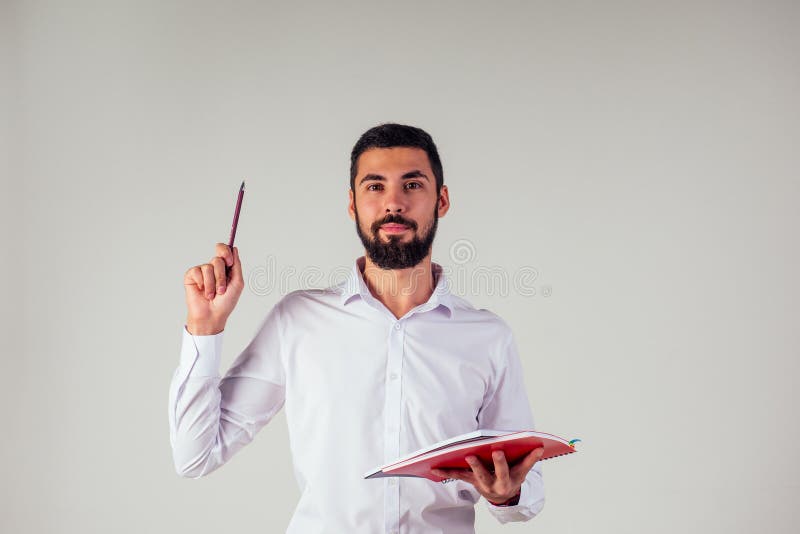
392,408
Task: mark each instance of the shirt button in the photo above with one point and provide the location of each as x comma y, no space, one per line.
397,326
393,376
392,481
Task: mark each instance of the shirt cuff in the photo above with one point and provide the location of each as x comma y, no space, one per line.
529,505
201,355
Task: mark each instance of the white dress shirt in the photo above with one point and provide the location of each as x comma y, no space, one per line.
361,388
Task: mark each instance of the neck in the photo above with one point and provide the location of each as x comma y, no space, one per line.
400,290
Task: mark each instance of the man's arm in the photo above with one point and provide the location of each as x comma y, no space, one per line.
212,418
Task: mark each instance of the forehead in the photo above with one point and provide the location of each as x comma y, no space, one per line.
395,160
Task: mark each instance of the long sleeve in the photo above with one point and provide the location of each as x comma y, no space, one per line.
211,418
507,408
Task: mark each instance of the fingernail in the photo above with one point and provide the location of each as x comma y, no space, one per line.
221,290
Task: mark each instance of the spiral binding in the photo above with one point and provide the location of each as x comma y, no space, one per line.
571,444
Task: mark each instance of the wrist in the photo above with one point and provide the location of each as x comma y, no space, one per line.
513,501
199,328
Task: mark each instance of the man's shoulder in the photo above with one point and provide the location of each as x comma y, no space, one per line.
465,311
310,297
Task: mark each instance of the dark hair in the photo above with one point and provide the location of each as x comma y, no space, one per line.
390,135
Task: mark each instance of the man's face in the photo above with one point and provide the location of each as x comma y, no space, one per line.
395,205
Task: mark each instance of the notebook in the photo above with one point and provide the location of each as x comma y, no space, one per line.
450,453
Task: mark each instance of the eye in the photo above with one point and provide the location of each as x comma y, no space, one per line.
417,184
370,187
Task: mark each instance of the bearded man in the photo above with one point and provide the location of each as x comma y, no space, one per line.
383,364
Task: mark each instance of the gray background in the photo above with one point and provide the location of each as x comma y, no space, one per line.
640,156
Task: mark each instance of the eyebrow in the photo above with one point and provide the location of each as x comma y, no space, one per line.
407,176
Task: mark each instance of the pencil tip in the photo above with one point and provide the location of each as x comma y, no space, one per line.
242,188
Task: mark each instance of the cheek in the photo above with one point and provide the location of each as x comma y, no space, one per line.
364,220
367,212
366,204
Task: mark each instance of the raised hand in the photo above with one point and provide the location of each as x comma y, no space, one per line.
212,291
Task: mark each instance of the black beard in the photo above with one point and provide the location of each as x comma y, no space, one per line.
394,254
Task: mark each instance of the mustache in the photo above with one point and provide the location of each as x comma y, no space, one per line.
393,219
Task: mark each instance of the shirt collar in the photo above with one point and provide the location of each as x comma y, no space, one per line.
354,285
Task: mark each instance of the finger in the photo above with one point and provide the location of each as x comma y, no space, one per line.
441,473
220,276
236,269
520,471
458,474
209,282
193,279
500,465
224,251
482,475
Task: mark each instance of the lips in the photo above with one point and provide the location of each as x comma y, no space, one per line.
394,227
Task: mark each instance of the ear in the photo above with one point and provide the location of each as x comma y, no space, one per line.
351,205
444,201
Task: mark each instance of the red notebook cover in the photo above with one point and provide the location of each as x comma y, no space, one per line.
515,445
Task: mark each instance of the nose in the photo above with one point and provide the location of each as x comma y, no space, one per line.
394,202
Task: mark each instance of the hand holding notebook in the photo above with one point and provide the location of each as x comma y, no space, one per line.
452,453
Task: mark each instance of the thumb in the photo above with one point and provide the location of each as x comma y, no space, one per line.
236,268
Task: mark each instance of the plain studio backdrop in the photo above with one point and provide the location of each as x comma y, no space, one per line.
624,190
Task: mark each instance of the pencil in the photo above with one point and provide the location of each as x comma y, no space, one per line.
236,215
235,220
